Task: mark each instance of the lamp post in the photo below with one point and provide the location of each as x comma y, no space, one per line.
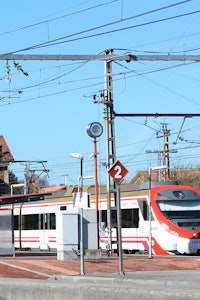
12,209
94,155
158,168
95,130
80,178
80,187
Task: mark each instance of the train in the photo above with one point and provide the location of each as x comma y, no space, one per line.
168,215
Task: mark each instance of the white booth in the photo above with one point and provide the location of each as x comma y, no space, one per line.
77,229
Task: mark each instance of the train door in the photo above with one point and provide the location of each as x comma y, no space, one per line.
143,232
47,225
43,223
130,227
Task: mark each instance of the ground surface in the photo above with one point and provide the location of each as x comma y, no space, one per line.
37,266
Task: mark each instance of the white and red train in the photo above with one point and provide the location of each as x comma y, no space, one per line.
174,228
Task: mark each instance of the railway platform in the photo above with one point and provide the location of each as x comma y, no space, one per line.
41,275
42,265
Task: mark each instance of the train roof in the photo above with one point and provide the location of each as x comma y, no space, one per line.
124,188
21,198
146,185
67,192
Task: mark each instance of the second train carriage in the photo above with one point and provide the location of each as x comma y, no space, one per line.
175,219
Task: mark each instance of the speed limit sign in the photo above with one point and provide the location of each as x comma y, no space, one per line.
118,172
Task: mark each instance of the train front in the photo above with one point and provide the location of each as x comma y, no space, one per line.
177,209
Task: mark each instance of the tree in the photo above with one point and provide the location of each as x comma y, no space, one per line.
12,178
187,175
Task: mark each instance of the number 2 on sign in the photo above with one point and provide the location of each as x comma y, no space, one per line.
118,170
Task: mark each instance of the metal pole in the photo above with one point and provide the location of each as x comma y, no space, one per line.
20,214
81,177
81,244
13,230
96,187
150,229
119,228
96,176
26,179
13,225
108,101
128,57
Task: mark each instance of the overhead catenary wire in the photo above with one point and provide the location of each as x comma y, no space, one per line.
70,39
47,20
136,73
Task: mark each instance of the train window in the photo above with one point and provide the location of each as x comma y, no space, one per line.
103,217
88,199
16,222
63,208
188,224
184,213
42,221
144,209
130,218
47,221
113,217
52,219
29,222
36,221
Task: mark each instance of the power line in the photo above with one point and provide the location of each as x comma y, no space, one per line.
57,18
58,40
156,115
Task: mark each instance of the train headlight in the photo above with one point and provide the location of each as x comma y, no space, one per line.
174,233
195,235
165,226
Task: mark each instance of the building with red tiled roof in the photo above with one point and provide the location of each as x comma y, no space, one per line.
5,154
53,189
50,189
5,159
183,176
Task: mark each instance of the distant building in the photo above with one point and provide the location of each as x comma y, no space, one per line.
5,159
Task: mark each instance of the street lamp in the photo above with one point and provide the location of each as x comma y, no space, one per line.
80,178
158,168
17,185
95,130
80,187
94,155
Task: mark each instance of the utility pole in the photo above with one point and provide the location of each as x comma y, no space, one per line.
27,171
166,161
110,140
26,178
165,156
165,153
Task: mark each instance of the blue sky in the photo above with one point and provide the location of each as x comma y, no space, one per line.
44,115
